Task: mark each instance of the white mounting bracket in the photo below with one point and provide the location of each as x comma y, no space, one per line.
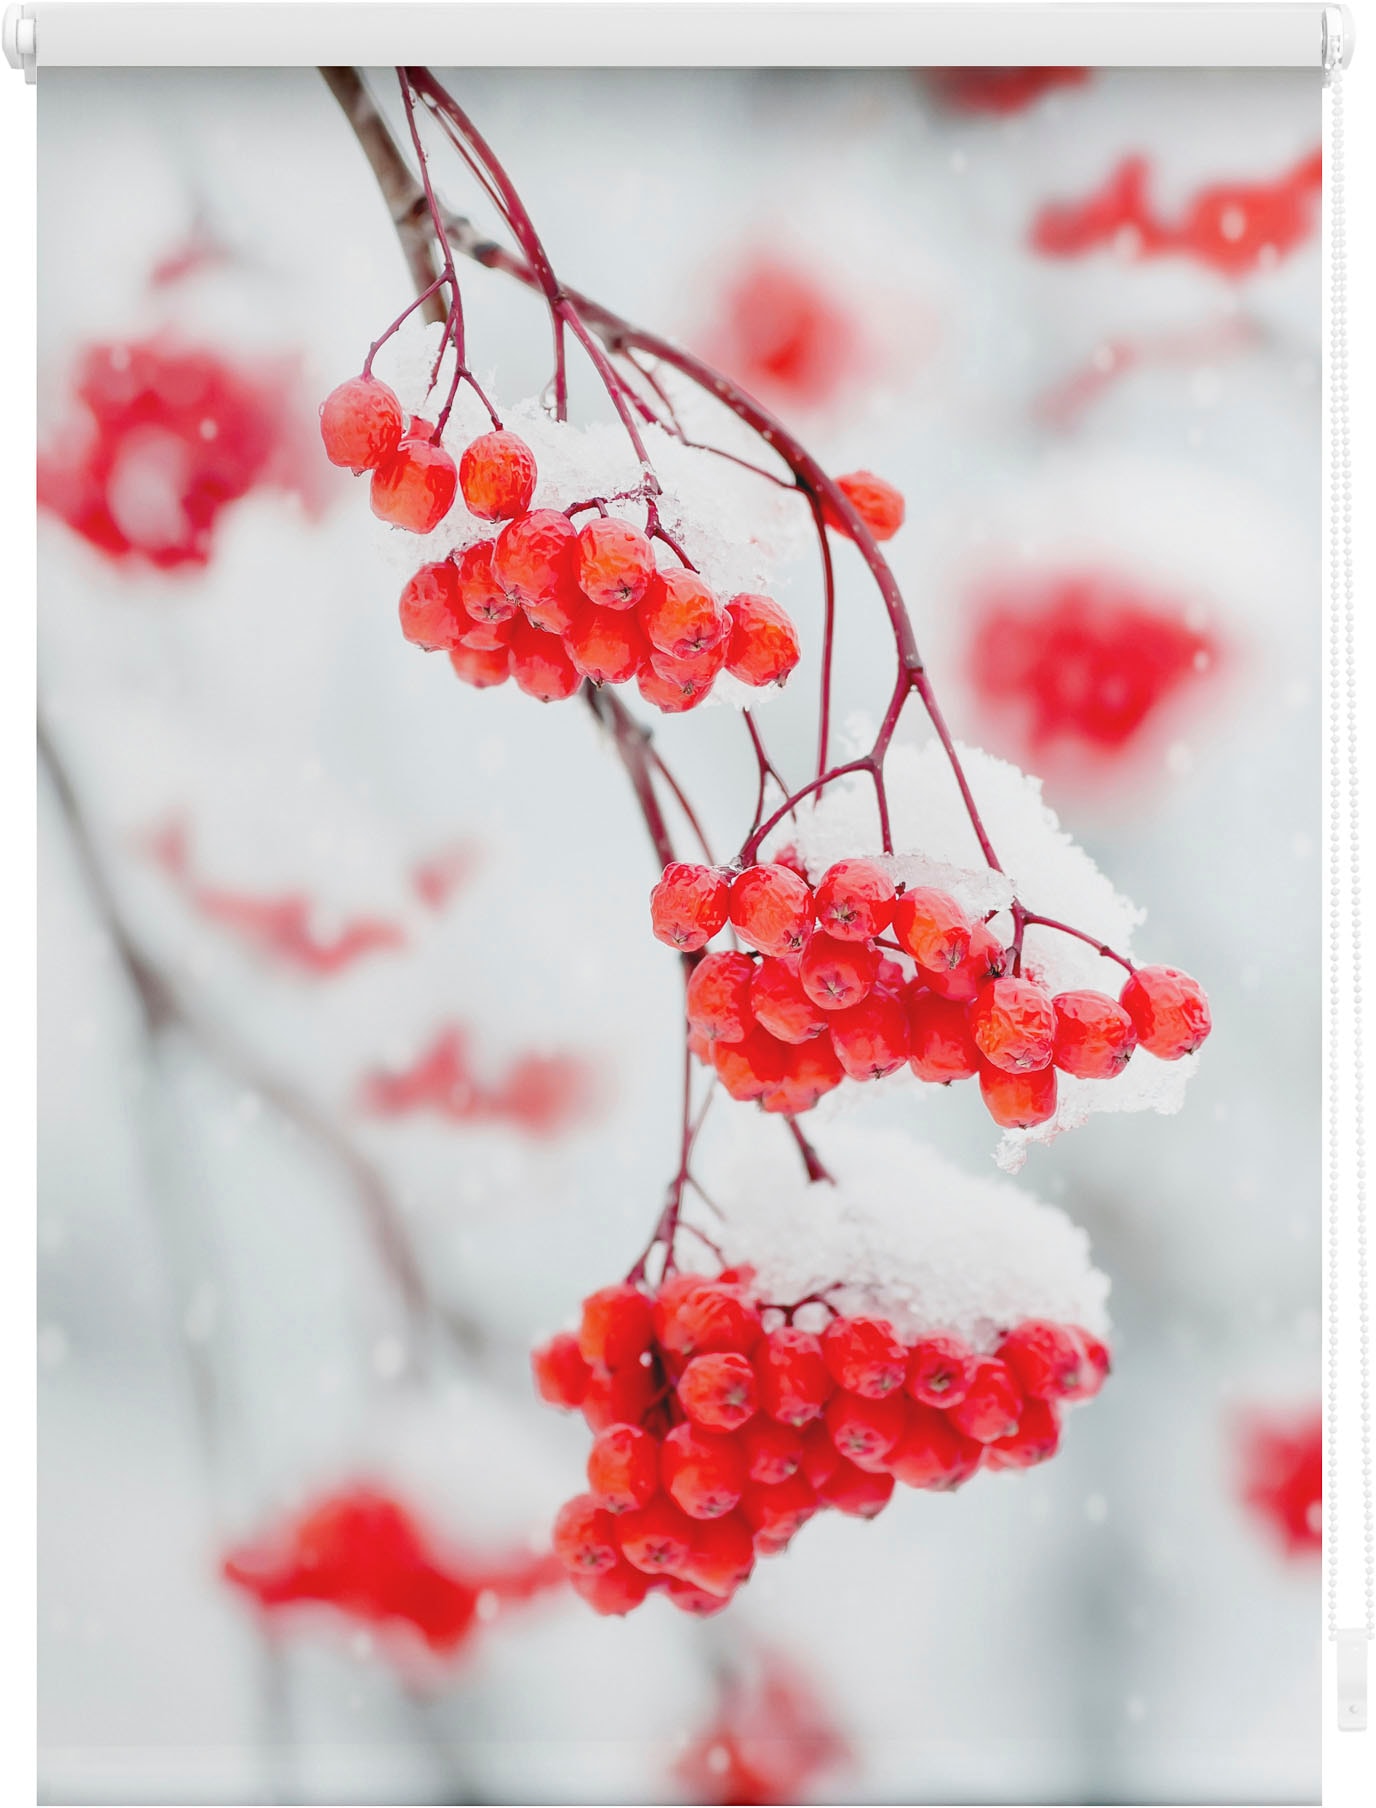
20,36
1353,1644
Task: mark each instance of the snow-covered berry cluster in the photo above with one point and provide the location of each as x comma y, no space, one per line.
721,1428
545,602
860,976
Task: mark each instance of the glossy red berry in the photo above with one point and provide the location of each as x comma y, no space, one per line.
533,556
623,1397
809,1072
1046,1360
1018,1101
615,563
879,505
940,1046
771,909
688,906
932,1453
855,901
865,1431
963,982
862,1493
1169,1011
623,1468
541,665
721,1555
1014,1024
763,646
481,667
837,974
431,608
821,1459
871,1038
864,1356
415,487
711,1318
932,927
560,1370
483,596
718,1391
1094,1035
360,423
606,645
794,1380
939,1370
680,614
697,673
1094,1367
777,1511
750,1069
584,1536
718,1001
656,1538
992,1407
672,695
781,1006
617,1327
497,476
1037,1438
615,1591
704,1471
772,1451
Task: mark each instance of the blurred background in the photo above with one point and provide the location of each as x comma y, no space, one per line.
359,1068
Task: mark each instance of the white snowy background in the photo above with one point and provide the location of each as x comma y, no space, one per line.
219,1336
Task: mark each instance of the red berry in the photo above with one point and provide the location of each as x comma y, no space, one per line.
781,1006
617,1327
968,977
932,927
821,1459
836,974
1014,1024
721,1555
483,597
718,1391
763,646
776,1511
1037,1438
1047,1360
932,1453
360,423
532,558
855,901
771,908
865,1431
711,1318
623,1468
704,1471
1017,1101
606,645
719,996
864,1356
487,636
862,1493
656,1538
940,1046
1094,1035
794,1380
623,1397
689,1598
414,488
750,1069
1168,1010
809,1073
879,505
992,1407
871,1038
772,1451
671,695
584,1536
560,611
561,1374
497,476
688,906
431,609
618,1590
680,614
615,563
540,665
1095,1365
939,1371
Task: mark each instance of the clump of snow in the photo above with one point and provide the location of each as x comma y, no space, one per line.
905,1235
1044,867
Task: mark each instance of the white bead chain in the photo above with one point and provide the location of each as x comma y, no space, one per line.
1345,1001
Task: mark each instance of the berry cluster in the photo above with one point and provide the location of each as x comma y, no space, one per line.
860,976
545,602
720,1428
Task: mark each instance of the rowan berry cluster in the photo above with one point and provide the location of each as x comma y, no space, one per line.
545,602
720,1428
860,976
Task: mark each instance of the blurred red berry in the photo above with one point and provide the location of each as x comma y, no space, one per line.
584,1536
879,505
623,1468
861,1493
864,1356
1035,1441
773,1451
721,1555
933,1453
809,1072
794,1378
718,1390
992,1407
561,1373
617,1327
1046,1360
656,1538
1018,1101
704,1471
939,1370
718,1001
865,1431
431,608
